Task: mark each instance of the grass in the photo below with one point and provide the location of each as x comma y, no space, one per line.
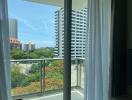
50,84
53,79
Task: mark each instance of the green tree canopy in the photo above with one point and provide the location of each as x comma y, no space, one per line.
35,54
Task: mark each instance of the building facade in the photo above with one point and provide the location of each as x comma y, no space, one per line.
15,43
29,46
13,34
79,32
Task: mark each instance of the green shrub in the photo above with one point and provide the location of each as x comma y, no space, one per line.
35,68
16,79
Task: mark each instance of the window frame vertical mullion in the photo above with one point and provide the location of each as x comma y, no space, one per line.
67,49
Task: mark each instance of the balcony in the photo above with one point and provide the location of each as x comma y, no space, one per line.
42,79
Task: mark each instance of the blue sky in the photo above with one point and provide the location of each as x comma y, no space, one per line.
35,22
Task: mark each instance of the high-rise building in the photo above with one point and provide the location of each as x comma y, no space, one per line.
79,32
13,28
13,34
29,46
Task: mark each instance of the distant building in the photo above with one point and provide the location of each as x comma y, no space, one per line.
78,32
15,43
13,34
29,46
13,28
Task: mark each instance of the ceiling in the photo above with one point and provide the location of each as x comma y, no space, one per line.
77,4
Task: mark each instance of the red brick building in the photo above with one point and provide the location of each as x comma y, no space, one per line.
15,43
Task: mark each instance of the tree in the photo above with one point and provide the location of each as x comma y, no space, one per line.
35,68
35,54
16,76
17,54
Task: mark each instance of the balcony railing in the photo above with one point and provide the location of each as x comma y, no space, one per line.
41,76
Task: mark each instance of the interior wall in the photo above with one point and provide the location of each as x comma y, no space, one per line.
129,45
119,69
122,72
129,36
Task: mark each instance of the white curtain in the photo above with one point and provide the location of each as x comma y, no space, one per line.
98,53
5,76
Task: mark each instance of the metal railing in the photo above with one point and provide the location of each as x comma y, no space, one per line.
38,76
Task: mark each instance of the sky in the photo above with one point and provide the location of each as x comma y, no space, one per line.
35,22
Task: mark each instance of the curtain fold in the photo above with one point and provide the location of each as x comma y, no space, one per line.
98,50
5,76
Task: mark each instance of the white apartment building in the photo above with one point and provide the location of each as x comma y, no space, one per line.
29,46
79,32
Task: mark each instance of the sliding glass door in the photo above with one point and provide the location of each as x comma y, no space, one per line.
78,48
36,31
47,48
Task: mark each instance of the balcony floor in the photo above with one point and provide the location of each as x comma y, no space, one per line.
76,95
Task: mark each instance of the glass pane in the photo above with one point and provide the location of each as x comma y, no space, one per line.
25,77
36,68
54,72
78,41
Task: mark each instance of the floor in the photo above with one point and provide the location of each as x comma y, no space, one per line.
75,95
122,98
